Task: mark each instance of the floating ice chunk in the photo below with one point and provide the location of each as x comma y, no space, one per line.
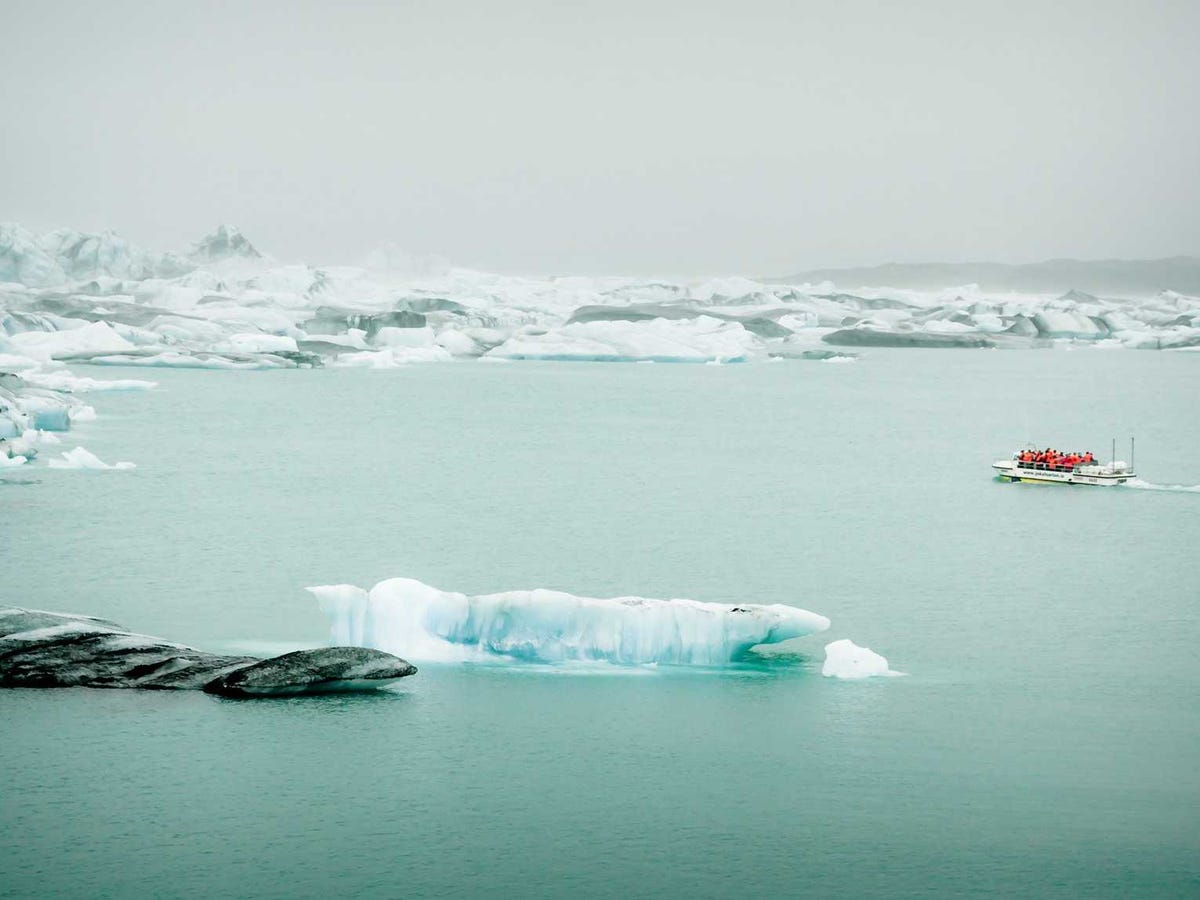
948,326
18,362
83,413
27,443
76,384
173,359
96,337
11,462
703,339
37,438
551,627
353,338
458,344
392,357
80,458
1055,323
46,411
845,659
390,336
259,343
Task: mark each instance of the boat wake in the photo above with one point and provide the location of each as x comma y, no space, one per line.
1141,485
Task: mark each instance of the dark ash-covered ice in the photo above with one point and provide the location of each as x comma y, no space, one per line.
47,649
334,669
870,337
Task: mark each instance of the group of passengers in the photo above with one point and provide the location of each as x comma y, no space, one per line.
1055,459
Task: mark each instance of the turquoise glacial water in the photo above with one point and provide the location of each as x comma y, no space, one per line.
1046,741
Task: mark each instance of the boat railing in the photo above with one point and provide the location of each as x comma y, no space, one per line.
1118,468
1051,467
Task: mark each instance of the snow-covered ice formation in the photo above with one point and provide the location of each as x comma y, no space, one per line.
420,622
82,297
845,659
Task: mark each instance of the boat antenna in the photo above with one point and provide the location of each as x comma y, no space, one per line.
1131,468
1113,457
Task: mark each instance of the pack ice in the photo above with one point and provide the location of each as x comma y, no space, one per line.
407,617
94,297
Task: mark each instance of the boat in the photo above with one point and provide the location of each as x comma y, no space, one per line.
1021,468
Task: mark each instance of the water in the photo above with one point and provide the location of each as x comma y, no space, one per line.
1045,741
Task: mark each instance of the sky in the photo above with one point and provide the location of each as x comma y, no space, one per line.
760,138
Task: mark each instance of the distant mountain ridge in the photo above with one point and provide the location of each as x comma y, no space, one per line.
66,255
1119,276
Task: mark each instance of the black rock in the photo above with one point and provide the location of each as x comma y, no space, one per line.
45,649
328,670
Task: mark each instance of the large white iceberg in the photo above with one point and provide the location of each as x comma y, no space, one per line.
420,622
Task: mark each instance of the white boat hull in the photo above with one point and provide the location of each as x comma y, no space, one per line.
1108,475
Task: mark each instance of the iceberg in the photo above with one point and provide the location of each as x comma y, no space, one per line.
391,357
97,337
703,339
172,359
46,410
79,458
409,618
259,343
76,384
845,659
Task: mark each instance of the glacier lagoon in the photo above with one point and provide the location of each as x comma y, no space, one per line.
1043,741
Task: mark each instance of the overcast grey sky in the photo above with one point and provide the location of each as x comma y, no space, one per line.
639,137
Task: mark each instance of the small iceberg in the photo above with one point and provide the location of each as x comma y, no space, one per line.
79,458
845,659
